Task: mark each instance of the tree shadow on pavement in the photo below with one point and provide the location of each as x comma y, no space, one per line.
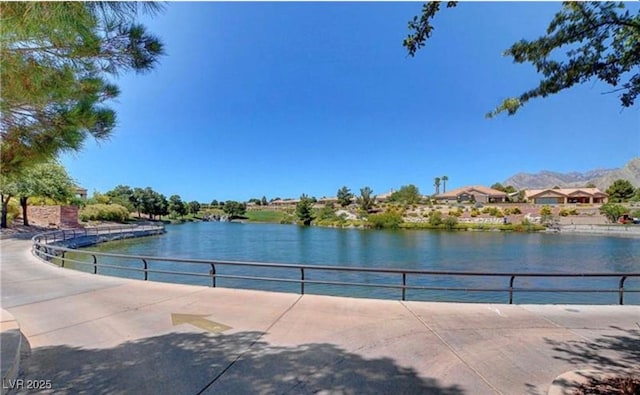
612,353
238,363
615,354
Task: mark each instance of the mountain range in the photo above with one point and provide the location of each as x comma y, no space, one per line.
602,178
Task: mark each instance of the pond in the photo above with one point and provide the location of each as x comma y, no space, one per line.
404,249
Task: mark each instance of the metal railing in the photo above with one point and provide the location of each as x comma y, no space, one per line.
43,249
62,235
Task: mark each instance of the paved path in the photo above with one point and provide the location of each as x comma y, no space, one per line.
102,335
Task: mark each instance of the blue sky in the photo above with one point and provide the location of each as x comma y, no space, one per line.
280,99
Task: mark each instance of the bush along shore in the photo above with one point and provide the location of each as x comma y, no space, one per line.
452,217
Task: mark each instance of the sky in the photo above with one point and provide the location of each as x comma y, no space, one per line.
280,99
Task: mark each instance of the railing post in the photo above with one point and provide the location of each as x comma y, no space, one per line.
62,262
621,289
95,264
301,281
404,286
144,261
212,272
511,289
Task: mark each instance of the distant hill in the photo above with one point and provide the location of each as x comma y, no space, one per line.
602,178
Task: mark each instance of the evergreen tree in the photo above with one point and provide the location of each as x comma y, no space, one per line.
344,196
56,60
602,41
620,191
366,199
304,210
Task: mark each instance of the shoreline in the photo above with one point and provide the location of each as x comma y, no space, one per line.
602,230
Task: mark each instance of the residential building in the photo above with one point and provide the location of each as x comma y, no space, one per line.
474,193
566,196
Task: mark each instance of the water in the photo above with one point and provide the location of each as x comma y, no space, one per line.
405,249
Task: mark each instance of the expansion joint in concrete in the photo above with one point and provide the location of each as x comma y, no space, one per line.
436,334
237,358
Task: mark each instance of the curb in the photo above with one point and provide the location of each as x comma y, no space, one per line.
10,345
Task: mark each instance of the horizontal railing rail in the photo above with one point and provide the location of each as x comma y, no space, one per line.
44,249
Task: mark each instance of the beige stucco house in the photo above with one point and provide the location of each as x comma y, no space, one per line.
566,196
474,193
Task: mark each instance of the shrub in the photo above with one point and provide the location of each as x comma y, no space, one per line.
386,220
435,218
492,211
516,211
13,210
545,211
450,222
104,212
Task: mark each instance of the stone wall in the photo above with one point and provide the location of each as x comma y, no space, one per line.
53,216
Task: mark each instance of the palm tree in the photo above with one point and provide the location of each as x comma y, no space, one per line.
444,184
437,185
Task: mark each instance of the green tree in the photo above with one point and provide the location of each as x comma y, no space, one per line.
366,199
152,203
620,191
444,183
498,187
138,200
194,207
161,206
234,209
56,60
345,197
48,179
264,201
409,194
636,195
602,42
612,211
436,183
177,206
304,210
122,195
590,185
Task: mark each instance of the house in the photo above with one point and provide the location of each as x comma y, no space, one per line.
81,192
474,193
566,196
328,200
285,202
383,197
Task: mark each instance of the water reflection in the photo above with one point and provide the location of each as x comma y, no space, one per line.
446,251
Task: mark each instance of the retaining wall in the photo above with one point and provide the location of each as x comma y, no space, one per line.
617,230
53,216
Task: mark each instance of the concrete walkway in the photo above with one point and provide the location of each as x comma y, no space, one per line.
102,335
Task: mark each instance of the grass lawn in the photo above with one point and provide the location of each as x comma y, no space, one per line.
265,216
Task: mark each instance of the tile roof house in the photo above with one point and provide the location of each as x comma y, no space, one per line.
383,197
474,193
566,196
